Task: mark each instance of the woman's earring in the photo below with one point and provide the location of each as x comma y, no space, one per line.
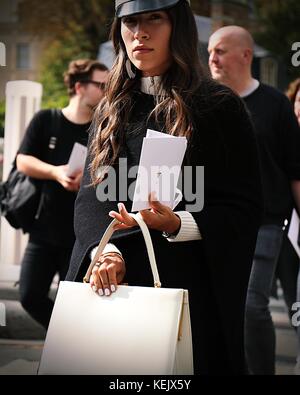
130,73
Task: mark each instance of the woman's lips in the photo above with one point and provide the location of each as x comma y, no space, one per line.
142,50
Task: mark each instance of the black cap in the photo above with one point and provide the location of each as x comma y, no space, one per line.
131,7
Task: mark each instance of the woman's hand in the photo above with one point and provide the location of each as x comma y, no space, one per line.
107,273
159,217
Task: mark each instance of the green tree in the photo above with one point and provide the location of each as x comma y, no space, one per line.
73,30
60,17
55,62
279,29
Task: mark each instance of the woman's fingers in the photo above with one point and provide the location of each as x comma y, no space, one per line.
100,280
121,226
107,273
159,217
127,219
155,204
104,279
123,217
112,277
96,281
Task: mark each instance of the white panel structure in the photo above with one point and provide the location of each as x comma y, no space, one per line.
23,99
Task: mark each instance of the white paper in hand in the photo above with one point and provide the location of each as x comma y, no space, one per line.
159,170
293,233
77,159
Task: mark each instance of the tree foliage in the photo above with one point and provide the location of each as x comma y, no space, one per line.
72,30
54,63
60,17
279,29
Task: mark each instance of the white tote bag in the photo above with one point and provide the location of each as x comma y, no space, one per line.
136,330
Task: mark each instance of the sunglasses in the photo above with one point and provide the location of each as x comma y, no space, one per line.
100,85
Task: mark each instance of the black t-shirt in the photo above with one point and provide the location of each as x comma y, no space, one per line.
55,224
278,137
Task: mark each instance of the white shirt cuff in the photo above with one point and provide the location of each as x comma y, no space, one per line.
108,248
189,230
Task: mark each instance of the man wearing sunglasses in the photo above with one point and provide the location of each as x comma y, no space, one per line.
100,85
43,155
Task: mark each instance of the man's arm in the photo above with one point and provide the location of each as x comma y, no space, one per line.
35,168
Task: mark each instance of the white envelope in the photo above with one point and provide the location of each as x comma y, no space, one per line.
159,170
154,133
293,232
77,159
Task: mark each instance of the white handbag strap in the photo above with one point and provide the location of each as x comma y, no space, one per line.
106,237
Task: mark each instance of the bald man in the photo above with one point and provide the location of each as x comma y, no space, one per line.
278,136
230,56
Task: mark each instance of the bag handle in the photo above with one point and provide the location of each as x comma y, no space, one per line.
55,124
106,237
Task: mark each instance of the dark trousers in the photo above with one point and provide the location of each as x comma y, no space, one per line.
259,327
287,272
40,263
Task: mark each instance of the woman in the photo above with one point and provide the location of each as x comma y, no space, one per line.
293,93
157,83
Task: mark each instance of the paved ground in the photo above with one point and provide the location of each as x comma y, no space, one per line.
21,357
21,340
286,340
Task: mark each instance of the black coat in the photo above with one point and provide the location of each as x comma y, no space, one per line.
215,269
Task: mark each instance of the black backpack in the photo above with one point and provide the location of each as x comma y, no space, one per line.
21,196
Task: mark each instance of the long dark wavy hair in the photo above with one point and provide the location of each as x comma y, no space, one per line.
293,90
173,100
